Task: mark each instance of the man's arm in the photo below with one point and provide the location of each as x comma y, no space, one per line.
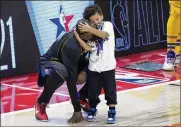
71,84
83,62
85,69
82,76
72,66
82,69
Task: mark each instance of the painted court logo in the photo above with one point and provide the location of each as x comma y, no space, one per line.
137,78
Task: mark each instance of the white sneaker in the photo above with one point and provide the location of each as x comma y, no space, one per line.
169,61
177,61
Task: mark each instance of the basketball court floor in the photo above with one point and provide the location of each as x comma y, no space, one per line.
147,96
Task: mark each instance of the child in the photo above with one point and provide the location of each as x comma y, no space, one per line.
102,62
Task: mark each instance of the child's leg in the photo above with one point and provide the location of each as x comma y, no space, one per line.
109,86
94,90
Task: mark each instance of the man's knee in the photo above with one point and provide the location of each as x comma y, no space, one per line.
60,69
55,79
52,74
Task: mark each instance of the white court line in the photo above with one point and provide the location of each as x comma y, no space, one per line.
101,96
162,54
33,89
149,76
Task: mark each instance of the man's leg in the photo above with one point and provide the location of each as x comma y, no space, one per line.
83,96
173,28
83,93
53,82
177,49
82,78
54,74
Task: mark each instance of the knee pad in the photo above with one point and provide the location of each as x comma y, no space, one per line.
60,73
43,73
42,77
46,71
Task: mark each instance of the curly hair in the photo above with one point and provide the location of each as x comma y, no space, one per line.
91,10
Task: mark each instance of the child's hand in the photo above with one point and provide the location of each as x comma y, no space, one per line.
76,34
84,27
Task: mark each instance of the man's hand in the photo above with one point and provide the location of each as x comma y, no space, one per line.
76,117
82,77
84,27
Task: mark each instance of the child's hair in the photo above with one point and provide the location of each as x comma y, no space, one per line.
92,10
86,35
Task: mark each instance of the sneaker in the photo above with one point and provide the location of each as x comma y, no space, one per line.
177,61
169,61
40,112
91,115
111,117
84,104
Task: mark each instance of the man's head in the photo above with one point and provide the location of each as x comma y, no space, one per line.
85,35
94,14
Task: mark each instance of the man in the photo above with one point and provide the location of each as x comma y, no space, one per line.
173,36
59,64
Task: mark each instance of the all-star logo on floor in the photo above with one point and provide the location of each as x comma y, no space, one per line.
138,78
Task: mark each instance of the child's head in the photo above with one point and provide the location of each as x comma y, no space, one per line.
94,14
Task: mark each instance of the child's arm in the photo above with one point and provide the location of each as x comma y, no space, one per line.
82,43
86,28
